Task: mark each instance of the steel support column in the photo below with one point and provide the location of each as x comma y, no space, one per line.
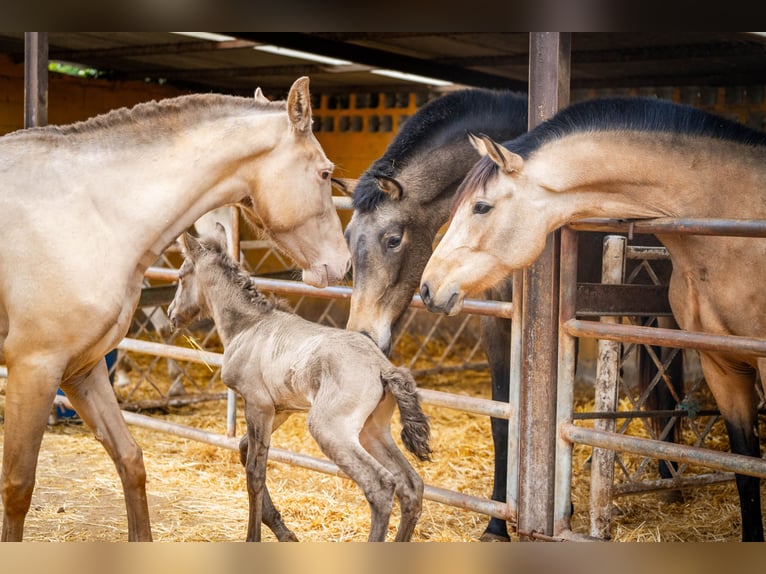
549,69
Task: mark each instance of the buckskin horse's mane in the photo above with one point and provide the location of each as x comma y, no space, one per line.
438,123
615,114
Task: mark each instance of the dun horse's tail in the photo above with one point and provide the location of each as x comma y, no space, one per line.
416,430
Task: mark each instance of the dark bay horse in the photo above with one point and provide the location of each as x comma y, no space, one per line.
86,208
629,158
281,363
400,202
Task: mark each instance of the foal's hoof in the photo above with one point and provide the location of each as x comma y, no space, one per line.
492,537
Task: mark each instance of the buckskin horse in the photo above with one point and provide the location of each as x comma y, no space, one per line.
86,208
629,158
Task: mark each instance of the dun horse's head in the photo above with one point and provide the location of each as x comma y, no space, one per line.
292,196
499,224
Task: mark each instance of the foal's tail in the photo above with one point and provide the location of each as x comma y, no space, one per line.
416,430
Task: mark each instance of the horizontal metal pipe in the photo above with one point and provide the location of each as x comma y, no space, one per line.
660,225
468,404
666,337
647,253
472,306
667,451
672,483
436,494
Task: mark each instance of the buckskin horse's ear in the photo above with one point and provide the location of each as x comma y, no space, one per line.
506,160
390,187
299,105
259,97
345,185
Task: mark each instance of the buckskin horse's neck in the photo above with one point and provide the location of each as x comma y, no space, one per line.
634,175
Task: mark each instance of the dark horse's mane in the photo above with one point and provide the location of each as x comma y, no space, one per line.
612,114
438,123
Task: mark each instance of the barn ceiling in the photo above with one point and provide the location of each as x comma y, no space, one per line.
599,60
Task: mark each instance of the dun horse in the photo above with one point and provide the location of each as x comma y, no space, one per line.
86,208
629,158
400,202
281,363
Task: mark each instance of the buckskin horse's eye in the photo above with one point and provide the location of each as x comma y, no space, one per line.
480,208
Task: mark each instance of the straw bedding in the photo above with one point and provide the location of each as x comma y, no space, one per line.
197,492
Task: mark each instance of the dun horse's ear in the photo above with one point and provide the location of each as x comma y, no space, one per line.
345,185
299,105
390,187
477,143
506,160
259,97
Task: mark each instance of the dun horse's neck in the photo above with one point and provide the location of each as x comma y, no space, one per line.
650,175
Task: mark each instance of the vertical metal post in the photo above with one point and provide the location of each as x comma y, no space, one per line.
35,79
606,391
231,396
549,59
562,510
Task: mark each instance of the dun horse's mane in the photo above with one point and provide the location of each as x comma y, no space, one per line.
435,124
158,113
615,114
238,277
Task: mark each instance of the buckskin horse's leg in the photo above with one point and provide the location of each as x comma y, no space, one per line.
31,388
93,399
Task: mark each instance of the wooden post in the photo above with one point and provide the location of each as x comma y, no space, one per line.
35,79
549,65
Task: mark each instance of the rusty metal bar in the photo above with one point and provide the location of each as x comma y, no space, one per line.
724,461
667,337
473,306
673,483
549,70
35,79
606,397
660,225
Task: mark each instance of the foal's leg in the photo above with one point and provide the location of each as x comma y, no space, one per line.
734,390
31,388
93,399
259,426
337,434
376,438
271,516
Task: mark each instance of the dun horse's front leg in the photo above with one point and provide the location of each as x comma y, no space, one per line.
93,399
259,425
28,401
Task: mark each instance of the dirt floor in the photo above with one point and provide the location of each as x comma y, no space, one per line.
197,492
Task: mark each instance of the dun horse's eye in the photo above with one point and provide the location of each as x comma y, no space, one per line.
393,242
480,208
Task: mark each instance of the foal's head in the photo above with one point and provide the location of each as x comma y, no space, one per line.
208,262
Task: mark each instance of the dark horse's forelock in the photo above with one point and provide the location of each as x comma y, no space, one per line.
447,118
613,114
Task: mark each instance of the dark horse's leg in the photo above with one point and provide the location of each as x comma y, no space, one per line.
496,334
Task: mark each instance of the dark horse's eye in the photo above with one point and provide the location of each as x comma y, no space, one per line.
393,242
480,208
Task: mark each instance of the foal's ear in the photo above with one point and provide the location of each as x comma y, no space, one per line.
506,160
299,105
220,236
192,247
390,187
345,185
259,97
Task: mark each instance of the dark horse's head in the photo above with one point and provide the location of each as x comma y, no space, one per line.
405,196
